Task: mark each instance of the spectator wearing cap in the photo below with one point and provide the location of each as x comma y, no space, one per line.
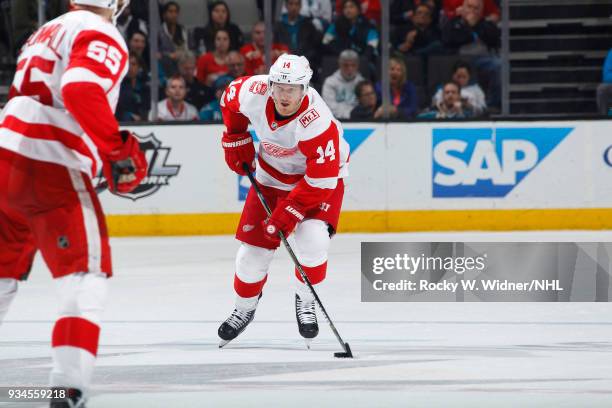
471,92
339,88
174,108
418,36
351,30
212,111
403,92
254,52
214,63
604,90
219,17
451,106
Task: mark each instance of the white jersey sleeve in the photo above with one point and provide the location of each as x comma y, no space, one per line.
79,48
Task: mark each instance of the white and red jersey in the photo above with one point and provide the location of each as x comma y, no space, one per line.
65,91
305,154
167,113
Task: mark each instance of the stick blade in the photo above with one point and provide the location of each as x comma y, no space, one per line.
347,353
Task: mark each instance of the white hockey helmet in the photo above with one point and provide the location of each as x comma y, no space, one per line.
290,69
116,5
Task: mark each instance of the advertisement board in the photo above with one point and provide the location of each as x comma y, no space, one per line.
402,177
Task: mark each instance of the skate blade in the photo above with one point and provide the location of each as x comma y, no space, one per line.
223,343
308,341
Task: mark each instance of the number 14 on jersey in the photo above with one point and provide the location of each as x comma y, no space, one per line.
329,151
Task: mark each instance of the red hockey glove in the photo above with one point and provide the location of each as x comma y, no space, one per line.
239,148
284,218
125,168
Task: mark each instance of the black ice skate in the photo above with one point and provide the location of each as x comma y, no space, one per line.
235,324
306,317
74,399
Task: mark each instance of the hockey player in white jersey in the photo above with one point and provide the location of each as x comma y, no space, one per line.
301,163
56,132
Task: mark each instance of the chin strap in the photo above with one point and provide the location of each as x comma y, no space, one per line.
118,12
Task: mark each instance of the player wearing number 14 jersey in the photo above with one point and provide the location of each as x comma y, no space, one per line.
301,163
56,132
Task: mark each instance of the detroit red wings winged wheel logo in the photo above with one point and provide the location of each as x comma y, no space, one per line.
278,151
258,87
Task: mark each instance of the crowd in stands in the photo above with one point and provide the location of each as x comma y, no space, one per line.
341,39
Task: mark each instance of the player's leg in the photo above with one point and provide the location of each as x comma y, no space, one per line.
70,230
255,252
312,241
252,265
16,255
76,332
16,245
252,262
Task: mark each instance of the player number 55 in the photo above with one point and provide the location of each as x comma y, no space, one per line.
328,152
105,54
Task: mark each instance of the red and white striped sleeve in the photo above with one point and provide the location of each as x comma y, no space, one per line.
97,63
234,120
322,168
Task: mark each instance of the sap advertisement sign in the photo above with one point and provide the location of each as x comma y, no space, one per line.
488,162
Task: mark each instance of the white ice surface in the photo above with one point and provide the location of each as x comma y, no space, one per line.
159,344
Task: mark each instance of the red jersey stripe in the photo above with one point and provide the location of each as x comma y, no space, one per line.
49,132
282,177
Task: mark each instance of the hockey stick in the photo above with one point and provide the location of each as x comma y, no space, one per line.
102,187
347,349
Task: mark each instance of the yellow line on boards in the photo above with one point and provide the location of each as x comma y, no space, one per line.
376,221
